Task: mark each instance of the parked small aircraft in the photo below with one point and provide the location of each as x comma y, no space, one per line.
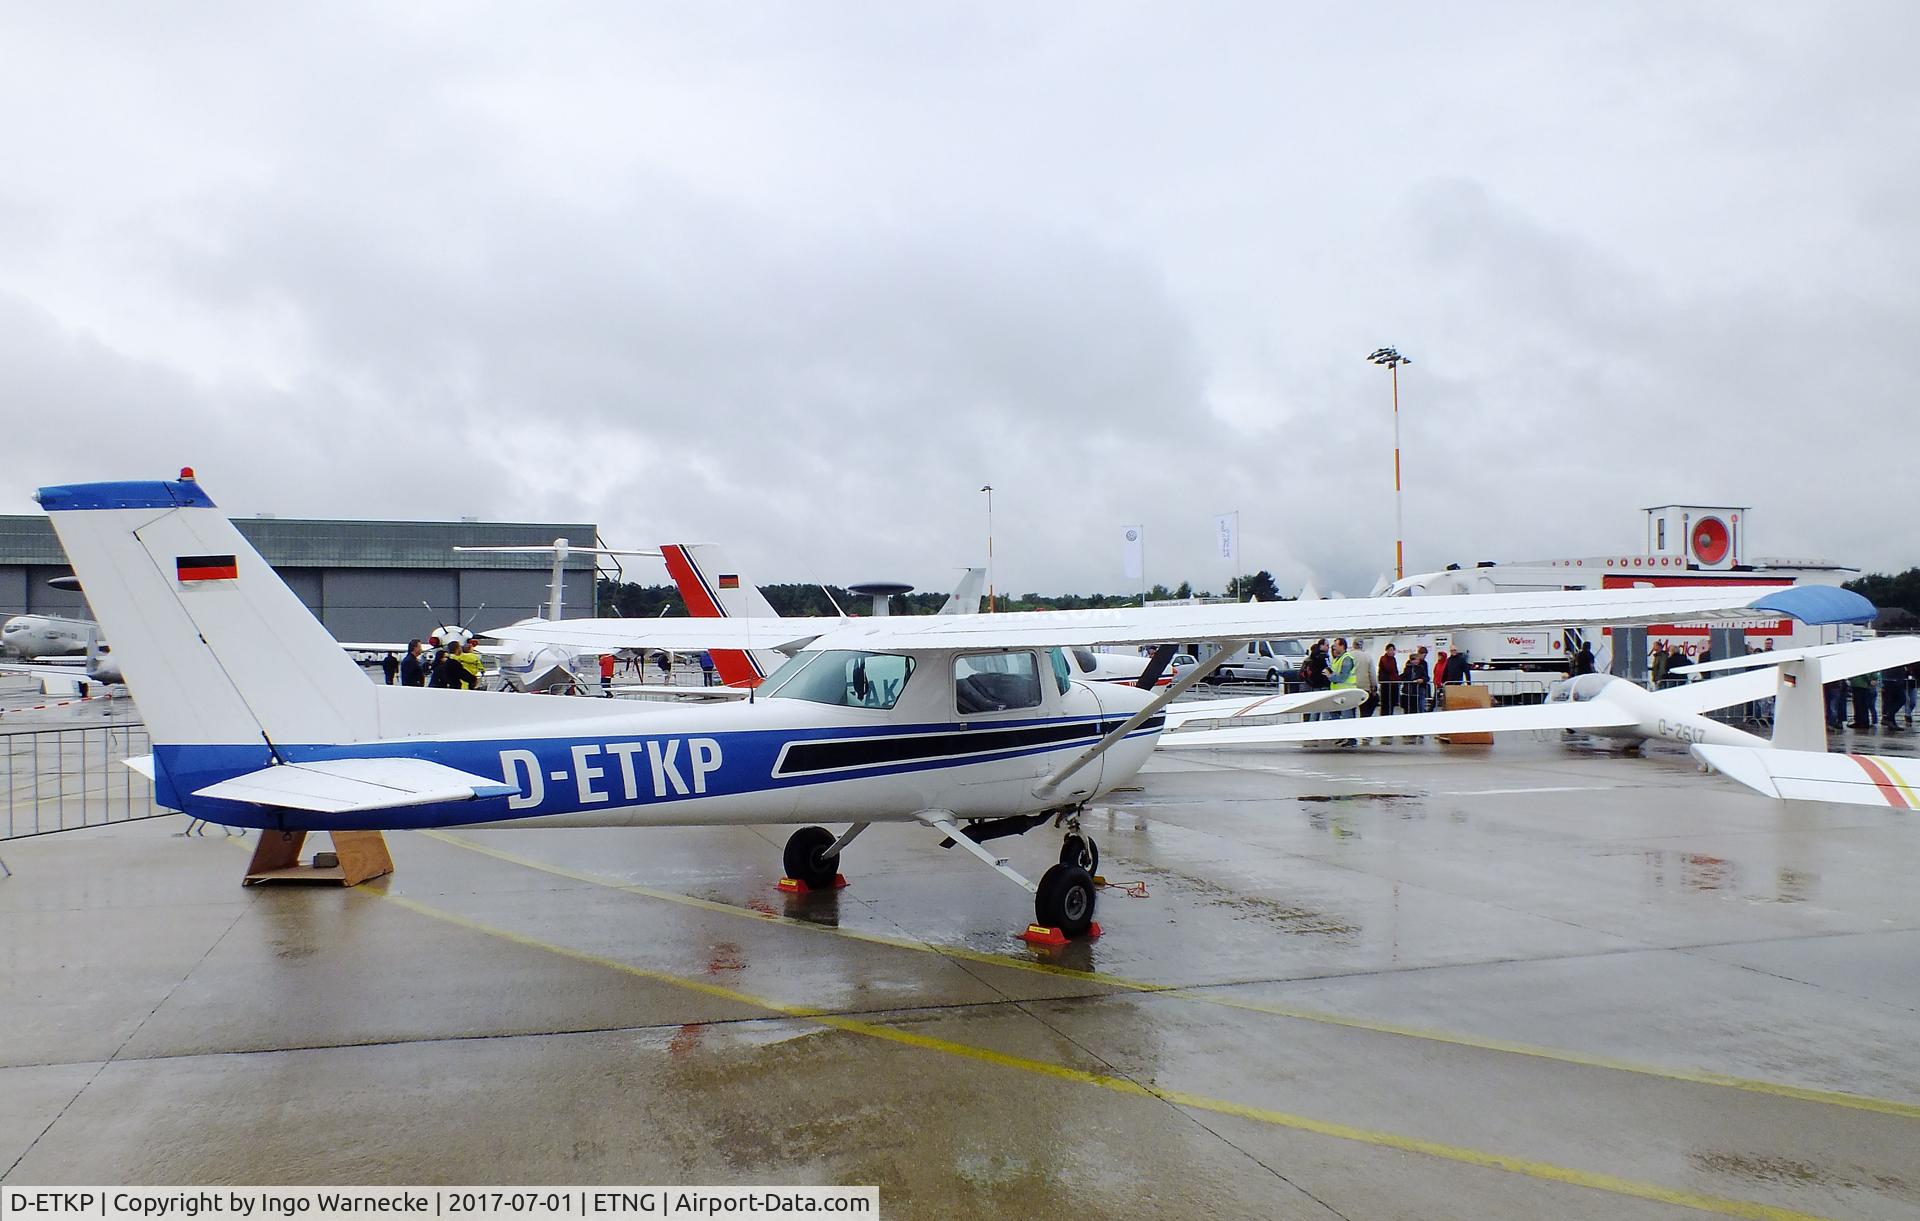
1609,707
65,675
970,725
45,636
544,667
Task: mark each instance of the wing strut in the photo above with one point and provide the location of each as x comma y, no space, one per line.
943,820
1157,666
1222,649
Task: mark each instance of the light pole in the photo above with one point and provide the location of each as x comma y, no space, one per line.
1392,359
988,489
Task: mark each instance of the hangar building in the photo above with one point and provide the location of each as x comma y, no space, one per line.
364,579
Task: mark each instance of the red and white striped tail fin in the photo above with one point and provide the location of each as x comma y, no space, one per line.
713,588
1805,775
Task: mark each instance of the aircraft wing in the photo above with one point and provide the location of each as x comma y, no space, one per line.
1241,621
1806,775
692,693
678,635
342,786
1862,656
1267,705
1350,617
75,672
1721,692
1758,682
1594,714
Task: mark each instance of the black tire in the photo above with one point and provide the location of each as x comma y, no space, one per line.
1273,678
1065,900
1081,852
805,858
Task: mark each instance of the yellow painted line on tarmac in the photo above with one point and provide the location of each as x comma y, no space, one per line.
1836,1098
1544,1171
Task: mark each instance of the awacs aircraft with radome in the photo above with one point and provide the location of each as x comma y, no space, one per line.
971,725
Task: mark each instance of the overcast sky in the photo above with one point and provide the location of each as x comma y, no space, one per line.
800,278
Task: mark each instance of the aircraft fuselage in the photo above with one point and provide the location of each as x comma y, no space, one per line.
769,761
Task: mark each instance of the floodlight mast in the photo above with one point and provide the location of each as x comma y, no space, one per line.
1391,358
988,489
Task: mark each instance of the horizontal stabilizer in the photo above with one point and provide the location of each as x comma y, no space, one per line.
1265,706
143,764
1807,775
341,786
1594,714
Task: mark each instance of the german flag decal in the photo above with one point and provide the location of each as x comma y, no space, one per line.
206,568
729,580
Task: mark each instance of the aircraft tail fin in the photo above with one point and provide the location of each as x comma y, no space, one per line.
965,599
713,588
213,644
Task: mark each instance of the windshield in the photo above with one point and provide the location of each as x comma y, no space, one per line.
842,677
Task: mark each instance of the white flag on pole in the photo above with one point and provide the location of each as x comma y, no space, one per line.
1227,527
1133,551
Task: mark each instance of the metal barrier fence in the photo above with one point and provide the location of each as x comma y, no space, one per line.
65,779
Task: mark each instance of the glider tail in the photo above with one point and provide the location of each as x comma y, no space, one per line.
965,599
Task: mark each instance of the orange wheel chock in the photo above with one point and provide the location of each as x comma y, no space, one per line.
794,886
1046,934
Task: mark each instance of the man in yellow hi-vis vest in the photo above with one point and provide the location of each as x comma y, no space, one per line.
1344,673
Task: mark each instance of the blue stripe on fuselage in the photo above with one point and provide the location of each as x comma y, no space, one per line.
662,767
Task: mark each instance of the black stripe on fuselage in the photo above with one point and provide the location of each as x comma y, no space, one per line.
844,754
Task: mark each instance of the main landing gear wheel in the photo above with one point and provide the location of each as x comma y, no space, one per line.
1065,900
1081,852
806,859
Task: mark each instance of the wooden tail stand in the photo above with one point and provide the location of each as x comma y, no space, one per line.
1466,696
362,855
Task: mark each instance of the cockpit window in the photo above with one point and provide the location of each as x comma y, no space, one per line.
1085,659
843,677
995,682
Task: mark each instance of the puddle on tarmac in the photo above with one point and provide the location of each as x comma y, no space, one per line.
1284,916
1342,797
1765,1168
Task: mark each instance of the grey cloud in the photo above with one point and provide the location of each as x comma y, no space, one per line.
802,282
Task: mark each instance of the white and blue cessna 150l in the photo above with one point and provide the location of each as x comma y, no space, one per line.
972,725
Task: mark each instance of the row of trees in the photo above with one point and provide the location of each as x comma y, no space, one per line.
631,601
1898,598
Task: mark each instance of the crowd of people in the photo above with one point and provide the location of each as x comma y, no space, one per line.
1410,685
1879,700
455,663
458,664
1390,684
